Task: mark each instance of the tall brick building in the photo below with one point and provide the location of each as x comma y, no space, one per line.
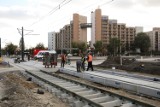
71,33
103,29
154,36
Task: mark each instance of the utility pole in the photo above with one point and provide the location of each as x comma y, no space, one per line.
22,34
22,52
0,47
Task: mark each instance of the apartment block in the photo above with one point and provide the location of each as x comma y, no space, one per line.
63,39
58,41
72,32
79,34
51,41
130,36
96,26
104,29
154,36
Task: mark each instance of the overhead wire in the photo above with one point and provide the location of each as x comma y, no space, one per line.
106,3
90,5
63,3
56,8
52,11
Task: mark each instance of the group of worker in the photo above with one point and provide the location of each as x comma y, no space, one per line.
80,63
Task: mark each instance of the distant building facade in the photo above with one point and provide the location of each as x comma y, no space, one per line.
154,36
79,34
51,41
70,33
103,29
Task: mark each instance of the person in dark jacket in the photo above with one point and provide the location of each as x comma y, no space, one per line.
63,60
29,57
78,65
83,59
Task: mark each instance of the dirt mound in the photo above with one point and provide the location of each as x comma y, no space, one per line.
130,64
15,91
117,60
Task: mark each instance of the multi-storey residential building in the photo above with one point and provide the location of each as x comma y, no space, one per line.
122,33
96,26
51,41
154,38
79,34
104,32
58,40
103,29
130,36
71,33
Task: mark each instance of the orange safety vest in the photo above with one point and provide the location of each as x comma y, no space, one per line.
89,58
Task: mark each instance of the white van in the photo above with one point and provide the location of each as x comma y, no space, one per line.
41,53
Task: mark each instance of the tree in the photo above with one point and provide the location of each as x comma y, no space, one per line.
142,42
113,46
98,46
40,46
74,45
10,48
80,45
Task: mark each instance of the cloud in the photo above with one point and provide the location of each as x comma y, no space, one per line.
16,13
128,4
149,3
4,25
123,4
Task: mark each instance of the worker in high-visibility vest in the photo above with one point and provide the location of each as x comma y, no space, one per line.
89,59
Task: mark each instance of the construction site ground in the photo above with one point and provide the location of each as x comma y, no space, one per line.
16,91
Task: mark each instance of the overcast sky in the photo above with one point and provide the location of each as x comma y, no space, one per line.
43,16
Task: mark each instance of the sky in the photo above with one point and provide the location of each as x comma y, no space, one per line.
38,17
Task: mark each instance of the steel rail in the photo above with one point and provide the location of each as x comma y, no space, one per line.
82,98
68,91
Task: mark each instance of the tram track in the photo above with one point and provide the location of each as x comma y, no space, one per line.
80,94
